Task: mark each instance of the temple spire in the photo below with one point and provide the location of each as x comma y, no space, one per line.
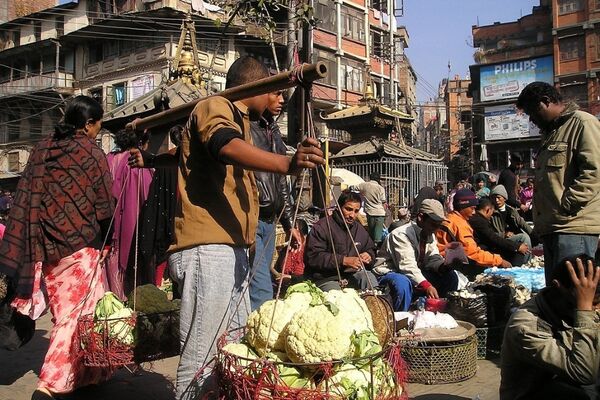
368,93
185,63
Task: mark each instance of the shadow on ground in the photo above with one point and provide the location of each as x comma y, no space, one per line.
30,357
125,385
439,396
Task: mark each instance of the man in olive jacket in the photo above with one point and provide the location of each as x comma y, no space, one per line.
566,204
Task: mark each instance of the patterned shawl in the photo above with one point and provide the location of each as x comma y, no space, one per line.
64,191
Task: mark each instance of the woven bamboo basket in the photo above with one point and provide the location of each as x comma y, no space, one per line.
100,348
258,379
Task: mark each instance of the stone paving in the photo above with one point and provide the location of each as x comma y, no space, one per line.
19,369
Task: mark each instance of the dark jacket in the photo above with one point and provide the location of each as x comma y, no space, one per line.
273,189
512,222
508,178
488,238
319,260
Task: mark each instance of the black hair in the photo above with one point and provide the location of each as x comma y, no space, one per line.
78,112
175,134
480,179
374,176
484,202
126,139
535,92
516,158
244,70
349,196
561,273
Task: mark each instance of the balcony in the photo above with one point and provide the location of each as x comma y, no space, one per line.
34,83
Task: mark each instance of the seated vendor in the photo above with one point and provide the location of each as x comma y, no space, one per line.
551,346
409,257
507,222
352,254
489,239
456,228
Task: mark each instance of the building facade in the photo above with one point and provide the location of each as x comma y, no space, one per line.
508,56
355,38
576,44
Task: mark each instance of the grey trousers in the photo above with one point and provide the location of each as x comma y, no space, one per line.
213,282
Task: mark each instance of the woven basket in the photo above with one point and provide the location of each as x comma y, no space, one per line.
489,341
441,363
100,349
244,379
156,336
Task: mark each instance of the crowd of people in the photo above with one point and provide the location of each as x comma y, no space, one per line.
212,204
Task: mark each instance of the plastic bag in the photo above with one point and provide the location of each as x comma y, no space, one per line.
499,301
468,306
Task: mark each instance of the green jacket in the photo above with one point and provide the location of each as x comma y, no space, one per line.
539,346
567,174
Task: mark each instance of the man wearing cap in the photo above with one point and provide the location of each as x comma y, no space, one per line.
375,201
456,228
509,178
409,257
566,202
508,223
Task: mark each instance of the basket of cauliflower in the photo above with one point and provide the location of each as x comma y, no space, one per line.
116,335
310,345
106,336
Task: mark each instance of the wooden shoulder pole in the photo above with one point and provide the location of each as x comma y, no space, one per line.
300,75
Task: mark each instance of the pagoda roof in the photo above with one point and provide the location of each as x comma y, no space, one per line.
384,147
178,92
372,115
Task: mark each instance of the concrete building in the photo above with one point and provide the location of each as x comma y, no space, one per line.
112,51
508,56
356,37
13,9
432,122
576,42
458,114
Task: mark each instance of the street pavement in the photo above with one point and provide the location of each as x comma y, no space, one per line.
19,374
19,371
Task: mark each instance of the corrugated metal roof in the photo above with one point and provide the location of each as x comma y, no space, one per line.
385,147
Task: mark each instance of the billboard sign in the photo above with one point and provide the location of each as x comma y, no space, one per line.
504,122
506,80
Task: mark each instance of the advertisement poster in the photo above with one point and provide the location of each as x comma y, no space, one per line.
503,122
506,80
142,85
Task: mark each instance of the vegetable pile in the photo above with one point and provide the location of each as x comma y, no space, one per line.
111,314
307,329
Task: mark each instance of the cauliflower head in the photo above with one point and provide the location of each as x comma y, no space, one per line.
316,335
352,307
351,382
259,322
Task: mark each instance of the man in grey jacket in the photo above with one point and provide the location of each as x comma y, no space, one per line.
551,346
566,204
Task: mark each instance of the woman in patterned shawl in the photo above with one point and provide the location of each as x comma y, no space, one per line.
53,244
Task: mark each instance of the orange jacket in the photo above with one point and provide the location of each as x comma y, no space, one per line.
463,232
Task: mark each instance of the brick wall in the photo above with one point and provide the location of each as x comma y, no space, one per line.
20,8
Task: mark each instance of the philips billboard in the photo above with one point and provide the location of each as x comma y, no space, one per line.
506,80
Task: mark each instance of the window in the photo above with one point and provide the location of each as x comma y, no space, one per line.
329,60
33,66
96,53
111,48
4,73
96,94
381,5
597,43
35,126
380,44
325,11
60,25
353,26
577,93
13,162
569,6
353,75
49,61
37,30
597,5
120,94
572,48
210,46
16,37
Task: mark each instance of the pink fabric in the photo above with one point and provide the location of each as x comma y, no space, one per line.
160,272
2,227
526,196
127,182
74,286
